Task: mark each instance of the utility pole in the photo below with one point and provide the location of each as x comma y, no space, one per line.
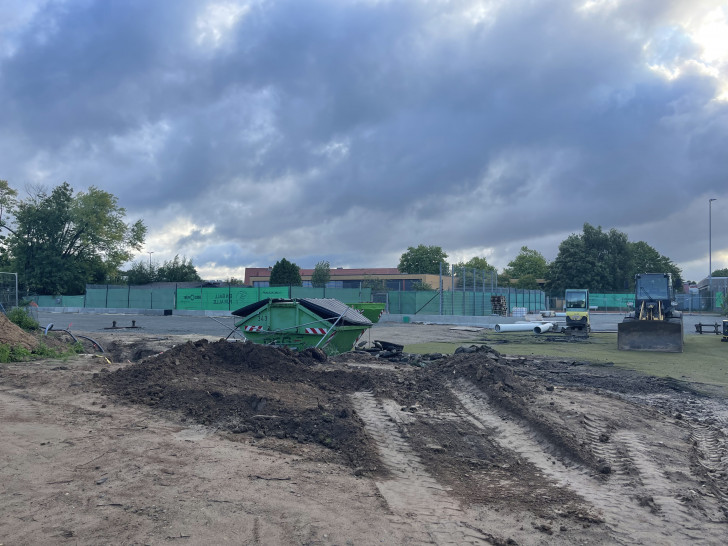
710,250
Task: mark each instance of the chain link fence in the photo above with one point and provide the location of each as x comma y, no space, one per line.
8,291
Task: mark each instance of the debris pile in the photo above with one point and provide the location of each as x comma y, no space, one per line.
14,336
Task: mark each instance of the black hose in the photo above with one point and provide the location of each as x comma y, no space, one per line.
92,341
75,340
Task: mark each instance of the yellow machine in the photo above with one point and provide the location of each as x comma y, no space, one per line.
576,303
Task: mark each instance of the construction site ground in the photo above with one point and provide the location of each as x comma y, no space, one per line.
187,438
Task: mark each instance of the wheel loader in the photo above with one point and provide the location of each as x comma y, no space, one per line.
655,324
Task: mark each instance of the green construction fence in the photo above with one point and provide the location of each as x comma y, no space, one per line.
225,298
468,303
59,301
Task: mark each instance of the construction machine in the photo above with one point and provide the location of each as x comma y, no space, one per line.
655,324
576,303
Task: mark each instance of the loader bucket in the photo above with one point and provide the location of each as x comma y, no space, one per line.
650,335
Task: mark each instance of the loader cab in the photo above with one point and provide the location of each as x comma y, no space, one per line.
576,304
653,296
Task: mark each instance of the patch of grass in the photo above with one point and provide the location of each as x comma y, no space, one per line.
22,318
21,354
704,360
14,354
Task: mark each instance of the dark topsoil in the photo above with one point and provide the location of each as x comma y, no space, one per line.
266,391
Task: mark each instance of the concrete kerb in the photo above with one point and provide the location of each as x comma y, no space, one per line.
127,311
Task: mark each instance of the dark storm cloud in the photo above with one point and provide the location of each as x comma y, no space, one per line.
355,129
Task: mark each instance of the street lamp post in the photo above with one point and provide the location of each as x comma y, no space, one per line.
710,250
150,259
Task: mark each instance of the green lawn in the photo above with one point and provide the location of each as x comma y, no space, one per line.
704,360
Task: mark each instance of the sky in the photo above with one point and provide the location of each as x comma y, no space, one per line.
243,132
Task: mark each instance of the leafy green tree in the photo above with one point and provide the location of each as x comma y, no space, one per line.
720,272
285,273
645,259
321,274
605,262
528,262
59,241
528,282
424,259
477,266
232,281
141,272
177,270
421,286
8,202
594,259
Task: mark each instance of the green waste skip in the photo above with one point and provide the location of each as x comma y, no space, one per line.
301,323
372,311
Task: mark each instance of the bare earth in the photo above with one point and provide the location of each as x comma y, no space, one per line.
175,440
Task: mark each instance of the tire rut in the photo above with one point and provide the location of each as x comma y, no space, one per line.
412,493
630,520
711,453
17,408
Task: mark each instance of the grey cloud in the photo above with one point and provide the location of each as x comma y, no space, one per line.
369,126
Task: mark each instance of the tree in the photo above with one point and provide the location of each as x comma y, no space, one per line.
605,262
595,260
645,259
527,263
141,272
720,272
285,273
321,274
8,201
178,270
464,271
59,241
424,259
528,282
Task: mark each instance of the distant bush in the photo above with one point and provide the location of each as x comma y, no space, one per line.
21,317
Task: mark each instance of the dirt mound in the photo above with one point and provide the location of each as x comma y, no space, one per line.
269,391
11,334
248,388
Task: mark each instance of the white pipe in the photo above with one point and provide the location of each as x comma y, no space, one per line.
543,328
519,327
540,328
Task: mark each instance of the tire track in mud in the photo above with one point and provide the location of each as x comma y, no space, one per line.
630,521
606,449
412,493
711,453
16,408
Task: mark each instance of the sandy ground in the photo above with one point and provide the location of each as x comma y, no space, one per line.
483,449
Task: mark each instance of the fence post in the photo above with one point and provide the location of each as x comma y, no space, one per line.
452,291
440,278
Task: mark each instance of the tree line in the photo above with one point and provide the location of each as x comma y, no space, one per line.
602,261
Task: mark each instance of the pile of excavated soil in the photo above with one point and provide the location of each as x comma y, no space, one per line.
247,388
274,392
11,334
